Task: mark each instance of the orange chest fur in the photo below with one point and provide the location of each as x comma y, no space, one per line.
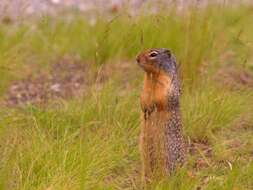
155,91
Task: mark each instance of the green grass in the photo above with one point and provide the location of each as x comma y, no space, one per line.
91,142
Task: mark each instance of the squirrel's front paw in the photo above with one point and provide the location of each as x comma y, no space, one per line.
148,110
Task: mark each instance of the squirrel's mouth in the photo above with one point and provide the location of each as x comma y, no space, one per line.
139,62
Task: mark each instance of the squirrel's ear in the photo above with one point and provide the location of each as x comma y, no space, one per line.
168,52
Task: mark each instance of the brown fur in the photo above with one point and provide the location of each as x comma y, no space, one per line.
155,90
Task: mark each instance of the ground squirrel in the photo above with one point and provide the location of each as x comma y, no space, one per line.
161,141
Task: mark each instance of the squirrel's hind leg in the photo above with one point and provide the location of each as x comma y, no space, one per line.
147,157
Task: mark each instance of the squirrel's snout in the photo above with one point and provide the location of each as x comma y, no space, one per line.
138,59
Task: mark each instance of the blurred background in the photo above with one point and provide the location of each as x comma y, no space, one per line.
70,86
26,8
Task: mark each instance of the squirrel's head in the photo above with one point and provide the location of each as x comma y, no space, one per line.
156,60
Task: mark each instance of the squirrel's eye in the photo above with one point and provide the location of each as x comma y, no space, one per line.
153,54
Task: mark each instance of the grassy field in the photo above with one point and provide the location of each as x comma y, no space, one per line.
90,141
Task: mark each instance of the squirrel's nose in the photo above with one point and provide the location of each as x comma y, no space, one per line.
138,59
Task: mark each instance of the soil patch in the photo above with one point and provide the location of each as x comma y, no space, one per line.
203,154
66,78
234,77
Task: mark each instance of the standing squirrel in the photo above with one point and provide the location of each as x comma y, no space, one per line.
161,141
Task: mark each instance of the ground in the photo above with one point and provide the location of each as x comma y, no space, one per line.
69,96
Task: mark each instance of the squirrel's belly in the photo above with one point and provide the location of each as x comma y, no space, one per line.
153,140
163,141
